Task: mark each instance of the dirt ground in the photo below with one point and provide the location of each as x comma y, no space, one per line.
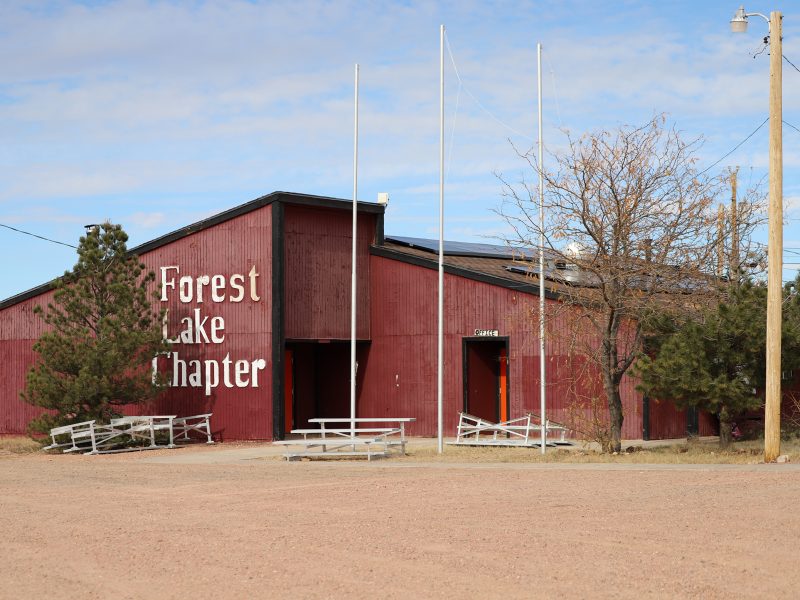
205,522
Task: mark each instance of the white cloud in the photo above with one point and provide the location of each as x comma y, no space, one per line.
147,220
147,111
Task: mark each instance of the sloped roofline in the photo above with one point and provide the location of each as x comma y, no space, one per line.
227,215
473,274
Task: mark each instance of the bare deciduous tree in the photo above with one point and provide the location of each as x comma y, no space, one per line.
631,228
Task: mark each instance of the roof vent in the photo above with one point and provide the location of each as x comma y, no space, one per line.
575,250
383,198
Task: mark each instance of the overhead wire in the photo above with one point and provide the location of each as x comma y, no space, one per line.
475,99
735,148
555,91
41,237
452,134
712,165
527,137
791,63
792,126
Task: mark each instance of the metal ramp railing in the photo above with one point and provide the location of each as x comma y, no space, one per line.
522,431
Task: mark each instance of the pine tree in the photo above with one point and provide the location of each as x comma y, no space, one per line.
717,361
103,334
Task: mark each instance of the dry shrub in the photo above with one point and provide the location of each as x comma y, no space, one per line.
790,417
18,444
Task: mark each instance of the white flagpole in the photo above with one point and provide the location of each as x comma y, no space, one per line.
353,278
542,403
440,348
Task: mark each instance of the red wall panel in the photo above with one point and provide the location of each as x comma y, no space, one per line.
19,329
397,311
234,246
401,379
666,421
318,259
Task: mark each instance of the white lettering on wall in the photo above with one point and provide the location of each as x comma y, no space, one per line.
166,282
217,284
190,289
206,373
238,287
201,281
253,275
185,289
197,328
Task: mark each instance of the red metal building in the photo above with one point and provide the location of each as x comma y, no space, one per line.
259,319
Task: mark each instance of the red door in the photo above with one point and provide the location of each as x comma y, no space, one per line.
486,379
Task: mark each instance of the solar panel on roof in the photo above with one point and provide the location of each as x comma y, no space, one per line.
566,273
465,248
522,269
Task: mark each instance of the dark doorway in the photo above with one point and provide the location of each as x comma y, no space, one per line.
486,378
318,382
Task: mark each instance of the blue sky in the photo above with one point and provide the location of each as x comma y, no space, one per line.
155,114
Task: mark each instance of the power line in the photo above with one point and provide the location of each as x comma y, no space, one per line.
792,126
527,137
36,236
791,63
735,148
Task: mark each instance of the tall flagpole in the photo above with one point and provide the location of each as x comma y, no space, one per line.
542,403
353,278
440,348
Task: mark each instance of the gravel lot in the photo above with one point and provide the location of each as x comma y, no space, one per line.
202,522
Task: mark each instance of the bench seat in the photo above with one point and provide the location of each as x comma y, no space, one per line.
92,438
357,430
333,447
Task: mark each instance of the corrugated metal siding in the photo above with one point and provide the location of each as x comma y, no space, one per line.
397,310
318,254
230,247
708,424
790,402
19,329
666,421
401,380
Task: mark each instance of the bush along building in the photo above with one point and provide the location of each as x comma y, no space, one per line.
258,319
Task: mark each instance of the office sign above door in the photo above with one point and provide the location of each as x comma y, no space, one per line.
487,332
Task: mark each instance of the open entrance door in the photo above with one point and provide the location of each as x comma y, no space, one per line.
317,380
486,378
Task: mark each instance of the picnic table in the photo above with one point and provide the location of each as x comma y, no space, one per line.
333,438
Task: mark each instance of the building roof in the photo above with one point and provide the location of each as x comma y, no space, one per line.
481,262
505,266
518,268
227,215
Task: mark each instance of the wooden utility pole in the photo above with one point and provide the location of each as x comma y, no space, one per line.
772,410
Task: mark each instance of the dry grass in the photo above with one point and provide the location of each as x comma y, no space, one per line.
699,452
685,453
18,444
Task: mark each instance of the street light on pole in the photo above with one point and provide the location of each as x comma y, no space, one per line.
772,410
